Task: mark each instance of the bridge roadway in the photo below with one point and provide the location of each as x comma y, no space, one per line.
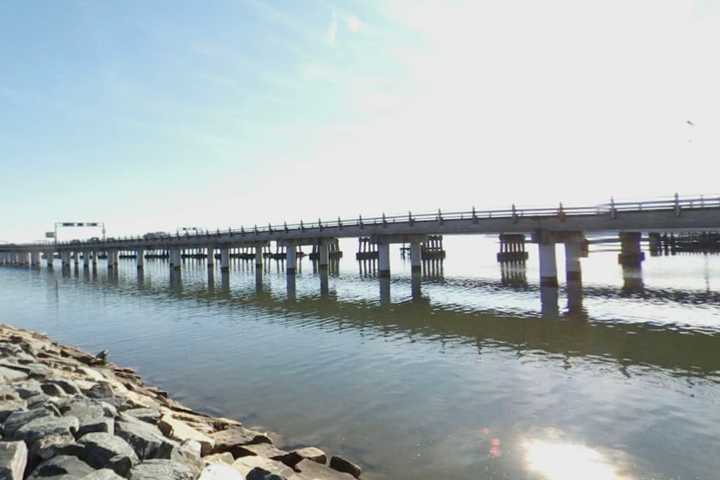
546,227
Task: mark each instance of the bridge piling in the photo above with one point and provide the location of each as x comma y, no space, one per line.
140,258
548,263
383,258
290,260
573,252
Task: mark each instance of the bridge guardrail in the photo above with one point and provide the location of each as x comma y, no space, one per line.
612,208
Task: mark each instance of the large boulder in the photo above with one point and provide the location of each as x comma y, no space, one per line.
44,426
146,439
52,445
181,431
13,458
105,450
245,465
104,474
9,375
63,467
91,415
343,465
19,418
296,456
149,415
267,450
316,471
7,407
220,471
163,469
228,440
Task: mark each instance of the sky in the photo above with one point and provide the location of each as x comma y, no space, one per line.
150,116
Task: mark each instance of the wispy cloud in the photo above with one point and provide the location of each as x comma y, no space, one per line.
353,23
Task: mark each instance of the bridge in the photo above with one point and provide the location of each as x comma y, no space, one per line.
545,227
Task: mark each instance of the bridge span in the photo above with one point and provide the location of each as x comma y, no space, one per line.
545,227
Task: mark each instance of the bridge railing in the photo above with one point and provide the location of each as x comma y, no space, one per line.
676,203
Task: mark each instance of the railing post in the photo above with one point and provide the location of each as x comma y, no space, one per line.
677,205
613,211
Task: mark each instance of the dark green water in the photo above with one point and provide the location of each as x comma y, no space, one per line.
473,379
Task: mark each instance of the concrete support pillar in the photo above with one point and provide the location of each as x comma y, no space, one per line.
258,258
94,258
548,264
35,259
49,258
76,258
112,259
323,255
140,258
573,251
416,256
225,259
65,257
210,256
631,254
383,259
291,259
86,259
175,258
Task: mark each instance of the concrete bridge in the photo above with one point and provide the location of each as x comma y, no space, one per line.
545,227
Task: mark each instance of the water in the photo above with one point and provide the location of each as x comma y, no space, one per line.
473,380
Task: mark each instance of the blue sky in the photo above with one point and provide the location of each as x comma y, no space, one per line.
150,115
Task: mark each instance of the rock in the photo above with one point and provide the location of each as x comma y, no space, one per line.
149,415
104,474
13,458
28,388
225,457
247,464
64,467
228,440
9,375
90,373
8,407
296,456
52,389
147,440
92,416
181,431
19,418
220,471
103,450
52,445
7,392
342,465
101,390
163,469
44,426
261,449
316,471
68,386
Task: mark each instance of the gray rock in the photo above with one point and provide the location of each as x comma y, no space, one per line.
225,457
28,388
149,415
265,466
342,465
10,375
228,440
92,416
101,390
102,448
7,407
296,456
68,386
104,474
50,446
44,426
13,458
19,418
52,389
316,471
62,466
147,440
220,471
163,469
7,392
262,449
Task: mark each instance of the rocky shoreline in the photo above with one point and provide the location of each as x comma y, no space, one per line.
65,414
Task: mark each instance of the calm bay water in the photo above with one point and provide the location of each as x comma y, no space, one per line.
473,380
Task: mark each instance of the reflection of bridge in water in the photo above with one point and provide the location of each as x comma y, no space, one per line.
573,334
